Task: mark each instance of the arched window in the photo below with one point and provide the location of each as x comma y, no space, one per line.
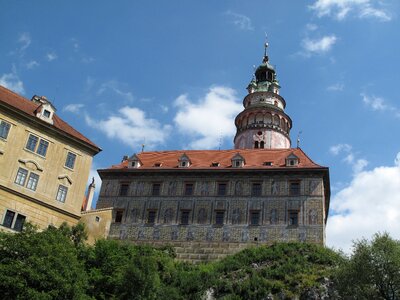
262,144
256,144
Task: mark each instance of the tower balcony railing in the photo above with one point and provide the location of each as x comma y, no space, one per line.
262,125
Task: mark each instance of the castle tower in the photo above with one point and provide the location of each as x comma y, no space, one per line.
263,122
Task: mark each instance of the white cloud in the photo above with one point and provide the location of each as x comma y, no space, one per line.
51,56
370,12
73,108
357,164
376,103
12,82
379,104
131,127
25,40
205,121
337,87
117,88
319,46
369,204
341,9
32,64
336,149
241,21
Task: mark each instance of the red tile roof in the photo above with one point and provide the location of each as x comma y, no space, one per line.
28,107
203,159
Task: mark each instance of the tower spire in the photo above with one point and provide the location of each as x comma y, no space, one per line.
265,58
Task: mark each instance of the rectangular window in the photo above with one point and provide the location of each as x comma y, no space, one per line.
32,181
185,217
293,218
8,219
32,142
123,190
156,189
118,216
255,217
61,193
21,176
70,161
42,149
46,113
294,188
256,189
189,187
221,189
151,217
19,222
219,217
37,145
4,129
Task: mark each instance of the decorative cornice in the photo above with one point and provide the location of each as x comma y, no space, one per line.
39,202
25,161
65,176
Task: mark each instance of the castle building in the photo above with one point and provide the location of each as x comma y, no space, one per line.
210,203
44,164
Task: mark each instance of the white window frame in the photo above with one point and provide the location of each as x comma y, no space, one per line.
33,181
62,193
22,174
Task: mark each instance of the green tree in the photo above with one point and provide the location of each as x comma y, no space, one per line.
40,265
120,270
373,271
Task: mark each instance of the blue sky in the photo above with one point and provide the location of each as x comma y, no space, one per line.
172,75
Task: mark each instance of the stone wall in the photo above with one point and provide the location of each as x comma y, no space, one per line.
206,220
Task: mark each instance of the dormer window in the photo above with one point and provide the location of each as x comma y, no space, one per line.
184,161
134,161
237,161
215,164
158,164
292,160
267,163
45,110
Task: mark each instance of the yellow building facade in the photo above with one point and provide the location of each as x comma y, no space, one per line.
44,164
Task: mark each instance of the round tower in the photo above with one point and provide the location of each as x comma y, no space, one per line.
263,123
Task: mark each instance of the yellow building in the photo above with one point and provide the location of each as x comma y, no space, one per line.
44,164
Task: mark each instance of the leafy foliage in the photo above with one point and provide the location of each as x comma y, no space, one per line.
57,264
373,271
281,269
41,265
